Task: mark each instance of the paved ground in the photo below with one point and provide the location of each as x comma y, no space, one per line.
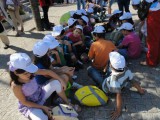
135,106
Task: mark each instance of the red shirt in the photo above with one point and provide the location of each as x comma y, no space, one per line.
73,38
45,3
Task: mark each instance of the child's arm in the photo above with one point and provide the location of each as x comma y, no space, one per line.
17,90
118,110
51,74
58,61
78,43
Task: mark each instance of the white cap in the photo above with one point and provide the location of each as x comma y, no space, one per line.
85,19
71,21
51,41
22,61
79,27
136,2
83,11
149,1
116,12
90,10
117,60
78,12
72,13
126,15
126,26
99,29
57,30
40,48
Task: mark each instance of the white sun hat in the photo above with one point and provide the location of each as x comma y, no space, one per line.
22,61
71,21
126,26
85,19
117,60
51,41
99,29
90,10
40,48
83,11
57,30
79,27
126,15
136,2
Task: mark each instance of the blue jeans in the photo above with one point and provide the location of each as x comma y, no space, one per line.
123,52
79,2
96,75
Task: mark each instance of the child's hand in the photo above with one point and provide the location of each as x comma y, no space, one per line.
47,110
115,114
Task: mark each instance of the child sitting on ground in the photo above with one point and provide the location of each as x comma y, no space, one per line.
130,47
120,77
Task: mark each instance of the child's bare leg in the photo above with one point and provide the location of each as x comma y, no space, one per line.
138,87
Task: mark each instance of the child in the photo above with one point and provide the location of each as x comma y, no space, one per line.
87,29
71,25
30,95
43,61
119,78
3,34
58,33
131,43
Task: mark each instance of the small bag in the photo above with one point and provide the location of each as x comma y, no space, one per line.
11,7
64,110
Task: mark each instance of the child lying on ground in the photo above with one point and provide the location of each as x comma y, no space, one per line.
120,77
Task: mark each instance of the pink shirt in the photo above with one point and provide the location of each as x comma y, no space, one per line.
133,43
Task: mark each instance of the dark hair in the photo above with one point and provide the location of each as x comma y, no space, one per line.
75,16
14,77
100,35
74,24
130,21
62,32
44,60
128,30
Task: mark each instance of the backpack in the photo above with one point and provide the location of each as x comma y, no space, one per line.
143,10
91,96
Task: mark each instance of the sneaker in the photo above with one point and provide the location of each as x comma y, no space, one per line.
76,85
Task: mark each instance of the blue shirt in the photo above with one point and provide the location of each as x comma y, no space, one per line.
41,80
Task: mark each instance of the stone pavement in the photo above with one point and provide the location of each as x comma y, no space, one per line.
135,106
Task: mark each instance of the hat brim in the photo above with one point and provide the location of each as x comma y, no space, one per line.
54,44
121,18
31,68
55,33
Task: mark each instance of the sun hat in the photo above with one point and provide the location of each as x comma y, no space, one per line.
116,12
136,2
117,60
126,26
90,10
57,30
126,15
21,61
78,12
83,11
149,1
40,48
99,29
71,21
51,41
72,13
79,27
84,18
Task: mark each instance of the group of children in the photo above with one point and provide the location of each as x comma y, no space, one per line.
61,52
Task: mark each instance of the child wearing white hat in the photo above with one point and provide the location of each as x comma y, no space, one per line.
119,78
130,47
30,95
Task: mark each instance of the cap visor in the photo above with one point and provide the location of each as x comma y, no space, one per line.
54,44
121,18
31,68
55,33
